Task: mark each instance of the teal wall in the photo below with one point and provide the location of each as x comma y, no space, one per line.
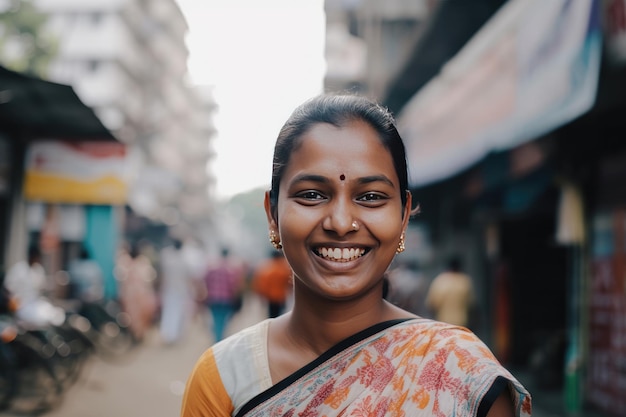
102,239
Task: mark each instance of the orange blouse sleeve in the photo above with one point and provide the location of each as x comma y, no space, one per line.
205,395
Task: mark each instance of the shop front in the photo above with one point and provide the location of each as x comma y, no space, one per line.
75,194
485,136
32,111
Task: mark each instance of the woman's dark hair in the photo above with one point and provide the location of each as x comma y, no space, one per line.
337,110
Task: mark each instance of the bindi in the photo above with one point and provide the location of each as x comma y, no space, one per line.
342,177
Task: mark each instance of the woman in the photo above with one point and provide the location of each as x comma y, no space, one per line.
137,296
338,207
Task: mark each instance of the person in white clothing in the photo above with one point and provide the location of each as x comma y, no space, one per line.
176,292
86,278
26,282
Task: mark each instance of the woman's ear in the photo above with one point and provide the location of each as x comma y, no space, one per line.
407,212
271,221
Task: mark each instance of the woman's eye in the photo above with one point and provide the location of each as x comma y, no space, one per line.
310,195
372,197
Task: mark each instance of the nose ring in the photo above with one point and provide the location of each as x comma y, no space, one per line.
355,225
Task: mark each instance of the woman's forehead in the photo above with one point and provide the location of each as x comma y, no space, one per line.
349,150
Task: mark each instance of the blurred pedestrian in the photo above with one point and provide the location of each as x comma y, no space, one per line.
176,292
26,282
272,280
137,294
408,287
86,278
451,295
195,256
224,283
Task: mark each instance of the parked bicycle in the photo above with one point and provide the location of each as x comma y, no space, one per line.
39,362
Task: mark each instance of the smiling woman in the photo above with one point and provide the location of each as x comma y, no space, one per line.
343,349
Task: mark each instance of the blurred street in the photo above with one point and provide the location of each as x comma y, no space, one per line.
150,380
135,138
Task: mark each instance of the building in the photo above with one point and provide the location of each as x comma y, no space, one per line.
127,59
368,42
511,115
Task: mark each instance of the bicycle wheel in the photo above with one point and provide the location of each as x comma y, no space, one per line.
111,337
38,387
8,375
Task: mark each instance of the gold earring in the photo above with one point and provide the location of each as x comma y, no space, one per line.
275,240
401,247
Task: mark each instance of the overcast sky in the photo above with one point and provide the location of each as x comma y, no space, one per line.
264,58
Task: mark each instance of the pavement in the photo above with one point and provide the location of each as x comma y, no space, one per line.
150,380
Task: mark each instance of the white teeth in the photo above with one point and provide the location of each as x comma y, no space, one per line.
339,254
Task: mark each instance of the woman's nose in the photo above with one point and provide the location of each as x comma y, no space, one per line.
340,218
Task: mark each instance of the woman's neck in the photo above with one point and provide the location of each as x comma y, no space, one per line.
319,327
307,331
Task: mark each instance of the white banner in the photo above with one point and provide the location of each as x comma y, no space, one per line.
533,67
76,172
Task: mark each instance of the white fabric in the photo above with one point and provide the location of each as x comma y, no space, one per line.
176,294
243,363
27,283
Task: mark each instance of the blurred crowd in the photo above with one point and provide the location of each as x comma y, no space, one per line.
165,288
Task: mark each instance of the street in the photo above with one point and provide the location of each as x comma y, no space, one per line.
150,380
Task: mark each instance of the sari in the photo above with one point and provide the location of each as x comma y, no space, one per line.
399,368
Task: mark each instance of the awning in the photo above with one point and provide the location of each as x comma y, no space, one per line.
33,108
449,28
533,67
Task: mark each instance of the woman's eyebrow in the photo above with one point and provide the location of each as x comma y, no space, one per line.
310,178
375,178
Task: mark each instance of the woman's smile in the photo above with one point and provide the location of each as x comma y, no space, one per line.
337,254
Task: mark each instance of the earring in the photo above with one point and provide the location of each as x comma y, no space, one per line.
401,247
275,240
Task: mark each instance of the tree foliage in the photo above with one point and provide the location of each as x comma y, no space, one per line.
25,45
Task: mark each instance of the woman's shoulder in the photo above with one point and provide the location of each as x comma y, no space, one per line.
453,356
439,335
242,362
224,376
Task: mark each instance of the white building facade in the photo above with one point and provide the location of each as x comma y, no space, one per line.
127,59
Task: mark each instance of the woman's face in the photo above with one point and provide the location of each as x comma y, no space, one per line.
334,178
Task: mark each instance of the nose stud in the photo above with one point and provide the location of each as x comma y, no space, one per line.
355,225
